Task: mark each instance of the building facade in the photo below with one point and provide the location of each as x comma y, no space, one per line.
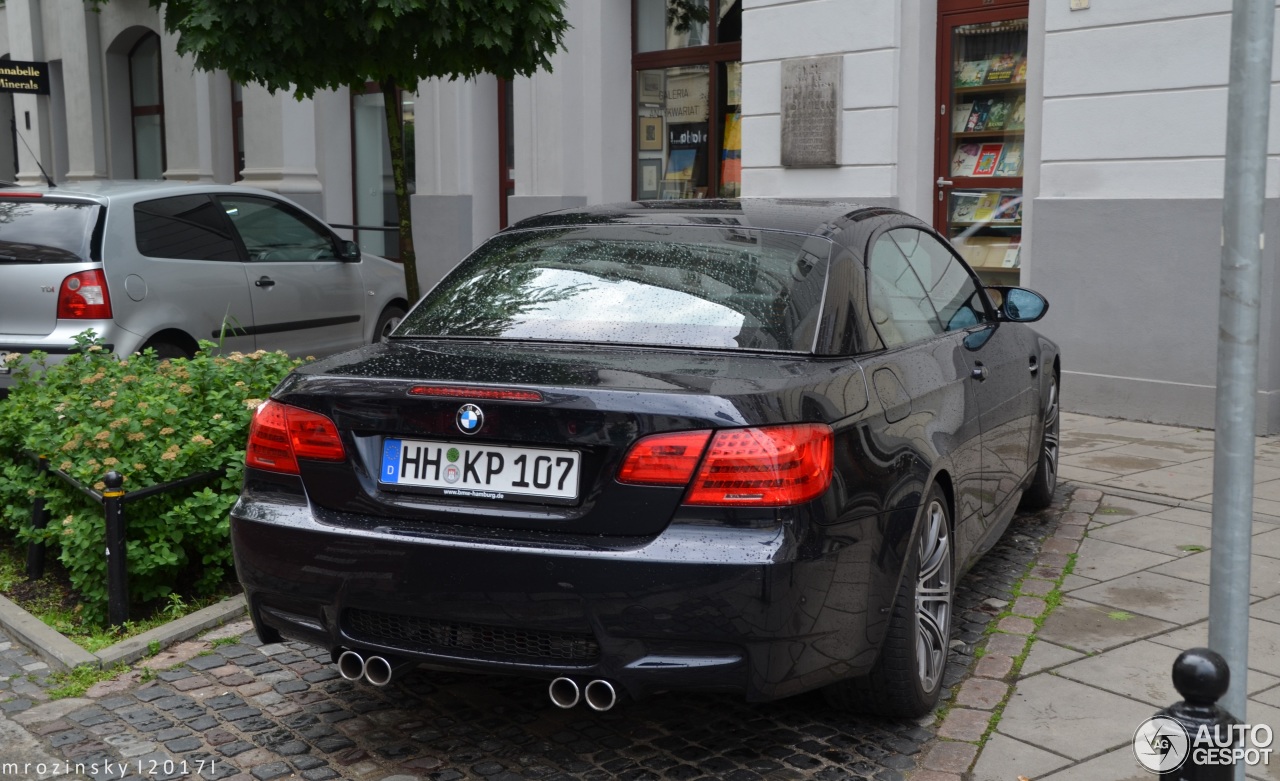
1072,146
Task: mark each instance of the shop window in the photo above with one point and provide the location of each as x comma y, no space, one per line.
688,89
983,54
146,97
377,219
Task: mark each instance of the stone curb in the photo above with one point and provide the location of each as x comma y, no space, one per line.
63,655
1167,501
51,646
139,646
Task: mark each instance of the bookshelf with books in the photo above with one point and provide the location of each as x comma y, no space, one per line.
981,152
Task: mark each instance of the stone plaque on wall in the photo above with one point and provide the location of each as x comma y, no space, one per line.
811,99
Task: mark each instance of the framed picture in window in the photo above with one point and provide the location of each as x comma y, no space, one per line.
650,176
650,134
650,90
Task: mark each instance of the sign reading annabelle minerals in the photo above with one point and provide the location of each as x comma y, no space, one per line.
28,77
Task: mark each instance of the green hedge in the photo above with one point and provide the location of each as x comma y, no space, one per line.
152,421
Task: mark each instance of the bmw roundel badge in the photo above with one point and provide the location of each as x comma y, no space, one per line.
470,418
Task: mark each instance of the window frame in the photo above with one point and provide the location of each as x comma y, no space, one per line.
713,55
136,111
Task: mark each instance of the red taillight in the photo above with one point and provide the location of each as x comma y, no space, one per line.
770,466
84,296
664,459
466,392
279,435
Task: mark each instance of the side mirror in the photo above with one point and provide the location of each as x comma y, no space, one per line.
1017,304
348,250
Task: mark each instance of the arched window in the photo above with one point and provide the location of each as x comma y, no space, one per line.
147,101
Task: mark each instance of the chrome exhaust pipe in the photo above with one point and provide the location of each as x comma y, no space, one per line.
564,692
600,695
380,671
351,665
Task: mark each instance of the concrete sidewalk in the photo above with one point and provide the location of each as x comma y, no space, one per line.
1098,662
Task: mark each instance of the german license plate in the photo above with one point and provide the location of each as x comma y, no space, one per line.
482,471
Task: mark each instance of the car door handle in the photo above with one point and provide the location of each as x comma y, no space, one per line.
265,281
979,372
1034,366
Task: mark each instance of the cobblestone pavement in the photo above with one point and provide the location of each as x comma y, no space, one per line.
228,707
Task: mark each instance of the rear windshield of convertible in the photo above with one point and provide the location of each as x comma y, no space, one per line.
679,286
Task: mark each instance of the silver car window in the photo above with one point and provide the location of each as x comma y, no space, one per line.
271,231
187,227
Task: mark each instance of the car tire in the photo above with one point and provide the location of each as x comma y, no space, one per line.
907,677
1039,494
166,350
387,322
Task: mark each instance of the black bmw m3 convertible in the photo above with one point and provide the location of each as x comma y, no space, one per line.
739,446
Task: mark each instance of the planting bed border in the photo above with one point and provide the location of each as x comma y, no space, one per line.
63,655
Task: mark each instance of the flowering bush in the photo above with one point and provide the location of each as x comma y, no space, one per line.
152,421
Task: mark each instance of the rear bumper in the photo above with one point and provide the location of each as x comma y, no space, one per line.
760,612
61,342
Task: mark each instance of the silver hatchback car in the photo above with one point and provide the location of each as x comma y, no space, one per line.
164,264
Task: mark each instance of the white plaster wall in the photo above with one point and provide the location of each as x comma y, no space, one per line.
868,35
1135,99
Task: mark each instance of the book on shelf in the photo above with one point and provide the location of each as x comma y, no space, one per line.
978,115
1018,114
998,116
1010,160
988,202
1001,68
680,164
1009,208
971,73
1012,256
1020,72
988,158
961,116
964,206
984,251
964,158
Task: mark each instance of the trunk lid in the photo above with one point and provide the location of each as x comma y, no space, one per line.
595,403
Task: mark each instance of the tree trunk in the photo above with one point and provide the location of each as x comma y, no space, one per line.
395,137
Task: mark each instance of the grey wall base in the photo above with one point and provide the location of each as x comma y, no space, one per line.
441,234
1133,398
1133,288
521,206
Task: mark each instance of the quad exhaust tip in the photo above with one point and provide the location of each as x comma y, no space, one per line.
600,695
375,670
378,671
564,692
351,665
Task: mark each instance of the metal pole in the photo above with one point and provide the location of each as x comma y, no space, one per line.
1248,105
117,559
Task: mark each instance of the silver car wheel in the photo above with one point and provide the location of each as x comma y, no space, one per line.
933,597
1049,448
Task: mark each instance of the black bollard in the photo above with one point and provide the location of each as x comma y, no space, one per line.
1201,676
39,520
117,560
